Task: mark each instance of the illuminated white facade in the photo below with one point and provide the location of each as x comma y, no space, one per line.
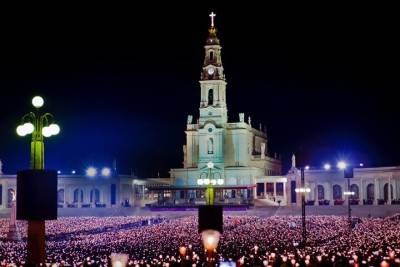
238,151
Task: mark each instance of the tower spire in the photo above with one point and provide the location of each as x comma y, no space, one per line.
212,80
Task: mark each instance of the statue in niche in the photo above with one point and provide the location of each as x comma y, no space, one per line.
293,161
189,119
249,120
263,150
210,146
241,117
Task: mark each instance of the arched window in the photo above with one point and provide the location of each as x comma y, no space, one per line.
95,196
60,196
386,195
370,192
211,55
337,192
354,188
210,146
78,195
321,192
210,97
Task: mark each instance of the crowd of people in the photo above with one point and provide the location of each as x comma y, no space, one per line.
246,241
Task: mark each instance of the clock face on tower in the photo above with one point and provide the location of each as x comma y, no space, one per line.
210,71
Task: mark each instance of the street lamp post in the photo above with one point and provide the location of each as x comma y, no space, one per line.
210,216
40,126
349,194
347,174
210,182
303,190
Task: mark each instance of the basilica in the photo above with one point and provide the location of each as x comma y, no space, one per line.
233,156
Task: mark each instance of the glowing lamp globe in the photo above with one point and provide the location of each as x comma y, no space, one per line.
327,166
210,165
206,181
54,128
342,165
106,172
91,171
210,239
29,128
220,181
37,101
21,130
213,181
200,181
46,131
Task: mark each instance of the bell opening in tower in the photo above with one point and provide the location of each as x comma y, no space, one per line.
210,97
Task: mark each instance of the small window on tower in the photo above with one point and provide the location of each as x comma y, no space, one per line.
211,55
210,97
210,146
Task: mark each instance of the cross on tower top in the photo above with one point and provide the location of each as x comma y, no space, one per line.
212,15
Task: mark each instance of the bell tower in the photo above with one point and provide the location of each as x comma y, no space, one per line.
212,81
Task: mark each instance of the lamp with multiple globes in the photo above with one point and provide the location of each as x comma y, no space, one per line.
39,125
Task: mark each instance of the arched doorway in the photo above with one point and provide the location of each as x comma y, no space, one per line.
354,188
386,195
95,195
60,196
321,192
370,192
337,192
78,195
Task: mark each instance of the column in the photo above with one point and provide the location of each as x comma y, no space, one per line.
331,203
4,195
376,191
390,197
316,203
265,190
395,189
361,192
274,191
298,195
284,193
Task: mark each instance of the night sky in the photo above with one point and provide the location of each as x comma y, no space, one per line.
121,81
